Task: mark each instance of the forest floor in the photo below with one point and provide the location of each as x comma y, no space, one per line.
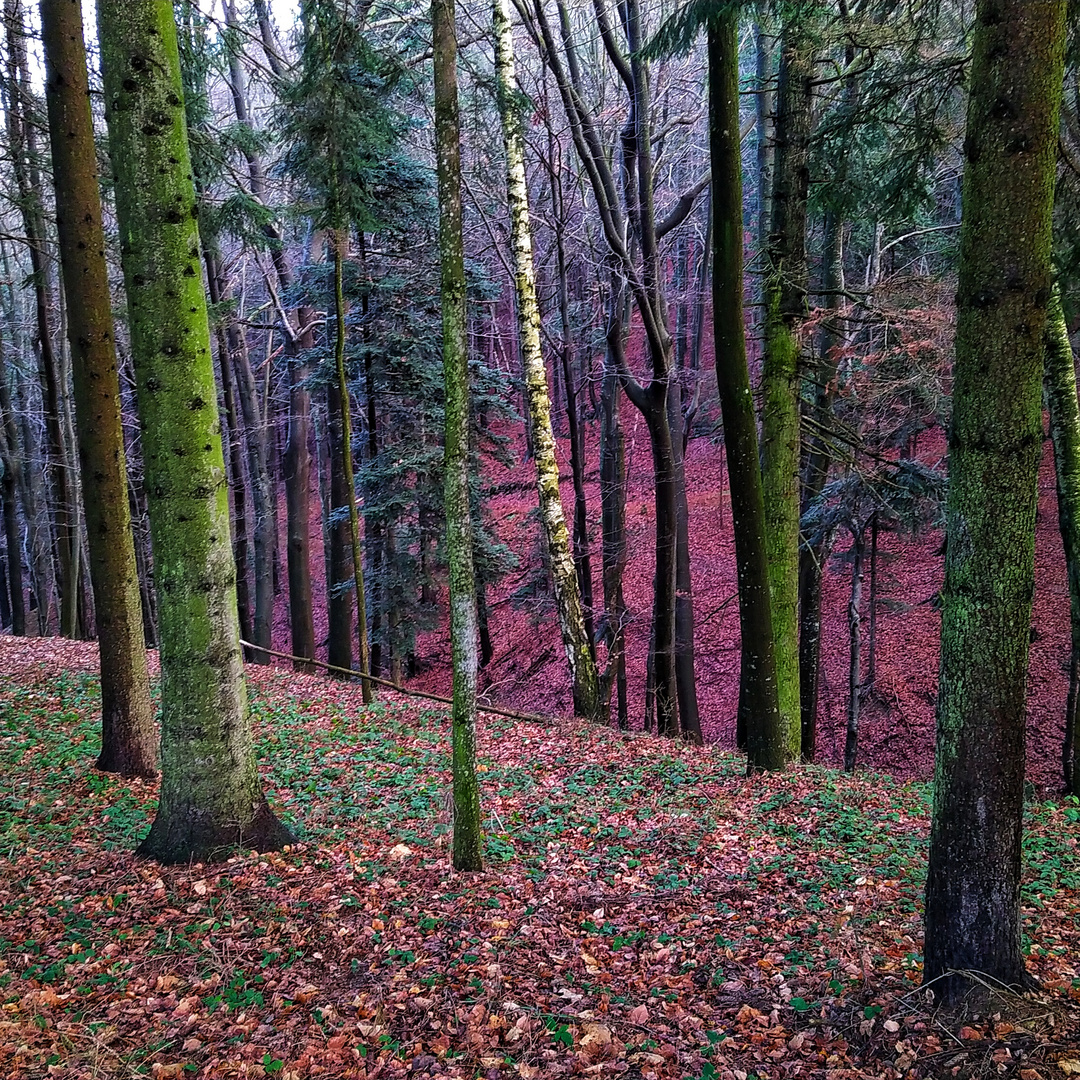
528,671
646,911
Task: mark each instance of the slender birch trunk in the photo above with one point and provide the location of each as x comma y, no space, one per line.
588,701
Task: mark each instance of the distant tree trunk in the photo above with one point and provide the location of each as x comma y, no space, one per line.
22,147
764,104
613,502
128,734
9,453
264,530
854,613
338,243
871,646
758,697
226,339
211,797
468,837
813,555
296,465
339,559
588,701
1065,431
785,306
1004,286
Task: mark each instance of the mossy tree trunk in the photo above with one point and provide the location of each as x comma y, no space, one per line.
128,735
588,701
758,695
1060,382
1004,287
785,306
211,796
468,838
338,241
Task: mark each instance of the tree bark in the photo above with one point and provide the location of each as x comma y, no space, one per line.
1060,381
1004,287
9,449
468,836
758,697
588,701
128,734
785,306
211,797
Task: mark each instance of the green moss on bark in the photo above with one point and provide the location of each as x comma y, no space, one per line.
211,797
973,882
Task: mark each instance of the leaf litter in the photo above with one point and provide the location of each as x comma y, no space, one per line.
646,910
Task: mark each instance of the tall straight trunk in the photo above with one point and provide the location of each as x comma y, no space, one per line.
613,502
812,555
871,644
468,836
296,465
338,243
854,614
128,735
764,104
264,523
9,453
1004,286
211,797
785,306
758,705
1060,382
588,700
685,682
339,555
237,477
22,144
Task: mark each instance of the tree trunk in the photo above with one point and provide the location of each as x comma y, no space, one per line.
22,144
468,837
338,243
339,557
296,465
813,555
1004,286
211,797
128,734
613,502
9,450
785,306
588,701
757,697
851,742
1065,432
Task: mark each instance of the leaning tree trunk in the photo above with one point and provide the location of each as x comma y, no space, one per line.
973,881
785,304
468,838
128,734
588,701
1065,432
757,698
211,796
